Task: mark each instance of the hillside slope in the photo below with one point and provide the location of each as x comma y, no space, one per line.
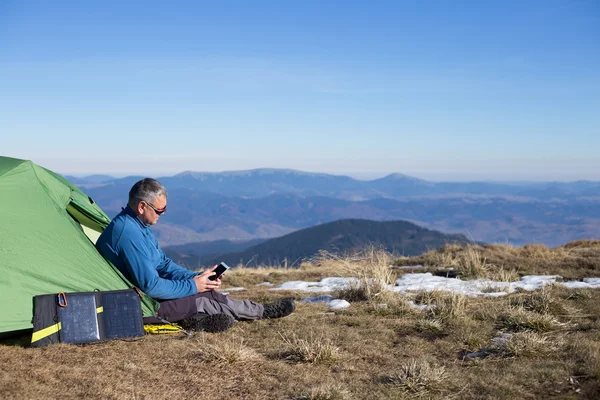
399,237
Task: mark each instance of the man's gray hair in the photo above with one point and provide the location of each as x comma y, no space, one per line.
147,190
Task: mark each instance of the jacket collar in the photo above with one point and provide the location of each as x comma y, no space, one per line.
128,211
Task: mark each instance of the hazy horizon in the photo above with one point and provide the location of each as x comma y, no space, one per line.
365,176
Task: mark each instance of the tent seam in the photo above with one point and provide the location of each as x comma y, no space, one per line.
47,190
7,171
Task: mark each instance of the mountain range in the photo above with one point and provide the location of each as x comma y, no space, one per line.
264,182
267,203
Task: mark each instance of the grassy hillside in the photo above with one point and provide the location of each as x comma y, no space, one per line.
550,345
341,236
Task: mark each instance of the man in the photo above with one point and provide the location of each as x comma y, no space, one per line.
129,243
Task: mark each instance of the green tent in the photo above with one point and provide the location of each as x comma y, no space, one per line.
48,228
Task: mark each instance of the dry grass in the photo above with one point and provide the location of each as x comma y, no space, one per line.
471,335
371,261
503,275
518,319
431,326
363,352
467,261
574,260
232,351
587,354
325,391
531,344
313,349
417,376
443,305
546,301
541,252
370,267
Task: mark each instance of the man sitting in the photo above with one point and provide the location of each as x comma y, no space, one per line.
129,243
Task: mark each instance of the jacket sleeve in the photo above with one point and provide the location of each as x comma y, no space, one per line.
142,268
170,270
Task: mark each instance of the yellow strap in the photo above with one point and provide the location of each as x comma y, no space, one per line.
158,329
53,329
45,332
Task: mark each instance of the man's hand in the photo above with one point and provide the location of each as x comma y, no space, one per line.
203,284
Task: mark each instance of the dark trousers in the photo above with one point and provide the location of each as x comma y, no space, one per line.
207,303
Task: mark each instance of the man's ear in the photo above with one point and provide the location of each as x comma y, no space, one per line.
140,208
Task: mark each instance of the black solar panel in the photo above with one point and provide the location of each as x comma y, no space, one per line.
78,319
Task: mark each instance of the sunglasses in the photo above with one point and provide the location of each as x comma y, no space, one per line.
158,211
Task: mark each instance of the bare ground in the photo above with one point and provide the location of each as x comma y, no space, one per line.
364,352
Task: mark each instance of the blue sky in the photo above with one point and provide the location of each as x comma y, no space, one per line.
441,90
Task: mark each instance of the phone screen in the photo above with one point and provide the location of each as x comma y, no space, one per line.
222,267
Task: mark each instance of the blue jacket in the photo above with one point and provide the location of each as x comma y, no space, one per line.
132,247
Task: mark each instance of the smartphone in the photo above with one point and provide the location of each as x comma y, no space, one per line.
221,268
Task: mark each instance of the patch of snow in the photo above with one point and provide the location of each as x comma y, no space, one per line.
330,302
322,298
410,266
324,285
576,285
478,287
418,306
265,284
414,282
338,304
501,340
595,282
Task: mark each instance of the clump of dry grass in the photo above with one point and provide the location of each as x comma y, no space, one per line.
587,353
390,303
467,261
431,326
370,267
313,349
471,335
371,260
443,305
530,344
472,264
230,351
541,252
545,301
518,319
325,391
503,275
446,256
500,248
584,243
417,376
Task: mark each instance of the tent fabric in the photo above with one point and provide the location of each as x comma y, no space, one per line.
43,248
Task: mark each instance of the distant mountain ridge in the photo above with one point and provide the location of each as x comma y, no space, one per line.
268,181
266,203
398,237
